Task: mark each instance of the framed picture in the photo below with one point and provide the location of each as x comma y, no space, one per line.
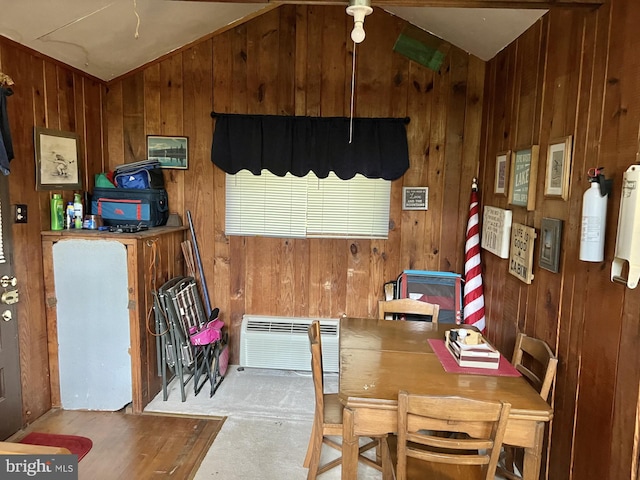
551,238
523,176
57,163
415,198
556,182
502,173
171,152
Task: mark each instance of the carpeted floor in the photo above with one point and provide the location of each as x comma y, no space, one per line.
269,415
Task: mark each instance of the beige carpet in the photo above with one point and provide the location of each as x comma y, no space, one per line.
269,415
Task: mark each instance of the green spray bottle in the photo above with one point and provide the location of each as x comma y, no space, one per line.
57,213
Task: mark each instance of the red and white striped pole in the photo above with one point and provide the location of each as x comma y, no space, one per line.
473,311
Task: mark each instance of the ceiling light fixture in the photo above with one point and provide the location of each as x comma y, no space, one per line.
359,9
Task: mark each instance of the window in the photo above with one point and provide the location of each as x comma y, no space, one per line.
306,207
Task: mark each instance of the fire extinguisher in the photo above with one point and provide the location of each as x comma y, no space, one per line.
594,216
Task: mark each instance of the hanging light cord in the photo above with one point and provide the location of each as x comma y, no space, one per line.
353,92
135,10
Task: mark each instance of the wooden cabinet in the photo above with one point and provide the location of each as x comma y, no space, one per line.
148,259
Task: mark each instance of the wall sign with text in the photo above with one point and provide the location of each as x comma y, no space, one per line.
521,255
524,173
496,228
415,198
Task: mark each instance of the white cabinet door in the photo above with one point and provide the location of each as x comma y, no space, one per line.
91,285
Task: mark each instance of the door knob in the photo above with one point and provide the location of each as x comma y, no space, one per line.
6,281
6,315
9,298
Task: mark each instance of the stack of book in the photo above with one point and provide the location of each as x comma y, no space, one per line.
480,355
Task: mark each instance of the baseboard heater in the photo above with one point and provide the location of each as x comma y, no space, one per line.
283,342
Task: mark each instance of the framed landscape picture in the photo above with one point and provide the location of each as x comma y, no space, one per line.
171,152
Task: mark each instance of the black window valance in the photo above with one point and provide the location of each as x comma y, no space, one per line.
299,145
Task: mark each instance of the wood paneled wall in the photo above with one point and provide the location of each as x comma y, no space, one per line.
50,95
293,60
296,60
573,73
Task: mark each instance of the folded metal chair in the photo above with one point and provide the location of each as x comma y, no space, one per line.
199,343
165,348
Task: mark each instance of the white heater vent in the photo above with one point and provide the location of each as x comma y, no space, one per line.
283,343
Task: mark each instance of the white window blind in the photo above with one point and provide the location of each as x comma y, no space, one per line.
358,207
265,205
307,207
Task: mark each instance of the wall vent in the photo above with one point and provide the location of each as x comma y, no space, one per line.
283,342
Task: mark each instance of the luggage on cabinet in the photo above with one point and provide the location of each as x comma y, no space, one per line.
131,206
143,174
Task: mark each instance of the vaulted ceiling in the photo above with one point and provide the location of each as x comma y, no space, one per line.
108,38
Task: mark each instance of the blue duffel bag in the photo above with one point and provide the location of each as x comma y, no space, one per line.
141,178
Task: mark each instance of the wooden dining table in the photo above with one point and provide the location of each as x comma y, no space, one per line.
379,358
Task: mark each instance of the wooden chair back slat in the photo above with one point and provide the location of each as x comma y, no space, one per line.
536,362
315,345
538,365
408,306
445,433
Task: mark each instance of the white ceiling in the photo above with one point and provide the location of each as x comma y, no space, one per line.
98,36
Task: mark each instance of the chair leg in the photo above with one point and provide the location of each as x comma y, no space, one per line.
388,472
508,471
312,459
377,464
307,457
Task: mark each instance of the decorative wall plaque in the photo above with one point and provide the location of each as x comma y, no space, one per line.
524,172
496,230
415,198
521,255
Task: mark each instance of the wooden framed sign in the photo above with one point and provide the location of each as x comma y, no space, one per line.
521,255
496,230
522,181
415,198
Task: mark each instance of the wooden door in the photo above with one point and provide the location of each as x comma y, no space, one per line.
10,389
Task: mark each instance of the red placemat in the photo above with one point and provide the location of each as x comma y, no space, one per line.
505,369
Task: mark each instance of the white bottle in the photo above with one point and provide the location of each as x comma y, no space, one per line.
594,218
69,219
77,210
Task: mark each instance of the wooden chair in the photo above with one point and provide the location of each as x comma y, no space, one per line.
327,419
538,365
448,438
408,306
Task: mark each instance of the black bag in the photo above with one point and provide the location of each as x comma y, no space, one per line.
131,206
